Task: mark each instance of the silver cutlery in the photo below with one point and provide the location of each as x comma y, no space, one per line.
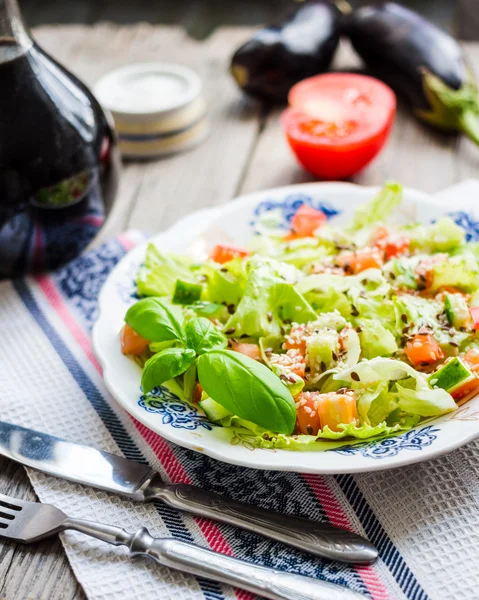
27,522
136,481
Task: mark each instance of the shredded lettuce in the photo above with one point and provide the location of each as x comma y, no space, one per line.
267,301
379,208
160,272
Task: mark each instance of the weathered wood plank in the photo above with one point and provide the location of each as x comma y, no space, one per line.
467,20
209,174
35,572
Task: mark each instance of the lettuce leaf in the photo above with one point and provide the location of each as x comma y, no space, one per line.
160,271
379,208
326,440
442,236
267,301
225,284
425,403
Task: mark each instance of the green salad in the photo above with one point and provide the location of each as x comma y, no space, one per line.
322,334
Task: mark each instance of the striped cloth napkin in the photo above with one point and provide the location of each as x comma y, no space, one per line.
424,519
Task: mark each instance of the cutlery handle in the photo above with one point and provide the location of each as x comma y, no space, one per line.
267,583
321,539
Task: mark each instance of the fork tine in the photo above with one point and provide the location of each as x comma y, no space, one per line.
11,503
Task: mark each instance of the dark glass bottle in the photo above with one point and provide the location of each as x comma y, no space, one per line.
59,161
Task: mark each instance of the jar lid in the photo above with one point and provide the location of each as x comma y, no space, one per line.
158,108
148,89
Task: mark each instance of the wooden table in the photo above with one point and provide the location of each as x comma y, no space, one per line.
244,152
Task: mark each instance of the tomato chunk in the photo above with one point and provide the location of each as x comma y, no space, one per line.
251,350
474,310
132,342
472,358
391,244
306,220
307,417
197,393
423,350
296,339
223,253
315,411
355,262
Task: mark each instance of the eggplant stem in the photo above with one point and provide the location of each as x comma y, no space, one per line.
469,122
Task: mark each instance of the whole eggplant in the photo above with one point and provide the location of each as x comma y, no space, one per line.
278,56
420,62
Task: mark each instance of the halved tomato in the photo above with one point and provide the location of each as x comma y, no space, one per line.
338,122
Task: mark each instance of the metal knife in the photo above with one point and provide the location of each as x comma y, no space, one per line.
136,481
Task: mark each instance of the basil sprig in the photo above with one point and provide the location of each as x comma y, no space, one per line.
154,321
202,336
240,384
166,365
248,389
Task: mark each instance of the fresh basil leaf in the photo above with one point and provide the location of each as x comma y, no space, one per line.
247,389
165,366
202,336
189,381
155,321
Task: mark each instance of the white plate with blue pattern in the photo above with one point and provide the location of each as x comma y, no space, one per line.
183,424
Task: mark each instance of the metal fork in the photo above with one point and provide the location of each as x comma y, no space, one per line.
25,522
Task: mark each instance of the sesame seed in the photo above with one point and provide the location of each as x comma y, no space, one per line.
355,376
223,270
230,331
323,365
284,377
354,311
454,344
269,316
307,410
283,331
309,429
335,356
405,329
404,318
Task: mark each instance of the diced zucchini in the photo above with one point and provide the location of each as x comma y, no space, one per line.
451,376
186,292
457,311
214,411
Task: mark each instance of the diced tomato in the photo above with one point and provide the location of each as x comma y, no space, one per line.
314,411
223,253
355,262
474,310
197,392
296,339
423,350
391,244
293,362
338,122
467,388
334,409
307,417
251,350
472,359
396,246
379,235
132,342
306,220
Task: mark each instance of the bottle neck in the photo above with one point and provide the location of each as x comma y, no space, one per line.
13,34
